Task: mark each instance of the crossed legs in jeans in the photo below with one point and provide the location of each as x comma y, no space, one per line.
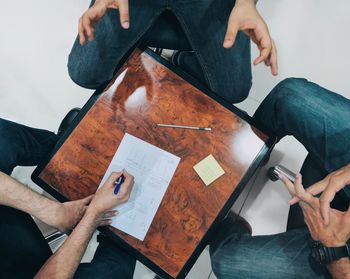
319,119
23,249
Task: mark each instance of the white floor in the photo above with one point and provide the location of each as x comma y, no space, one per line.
35,88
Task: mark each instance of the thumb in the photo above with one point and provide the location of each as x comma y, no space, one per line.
231,33
113,178
124,13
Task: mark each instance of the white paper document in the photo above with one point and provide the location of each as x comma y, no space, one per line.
153,169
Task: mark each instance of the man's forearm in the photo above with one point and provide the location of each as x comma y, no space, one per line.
340,269
14,194
64,263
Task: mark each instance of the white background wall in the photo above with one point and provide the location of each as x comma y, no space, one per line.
312,37
36,39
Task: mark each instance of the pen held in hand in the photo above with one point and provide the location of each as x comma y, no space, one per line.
118,184
185,127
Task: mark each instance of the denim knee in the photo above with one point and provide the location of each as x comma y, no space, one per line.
230,260
291,97
235,94
290,90
81,74
232,92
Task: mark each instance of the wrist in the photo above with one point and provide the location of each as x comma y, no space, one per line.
342,261
340,268
90,219
92,213
333,242
51,214
324,255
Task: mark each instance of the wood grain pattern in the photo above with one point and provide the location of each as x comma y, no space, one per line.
142,94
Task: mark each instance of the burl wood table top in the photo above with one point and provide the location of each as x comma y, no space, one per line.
143,93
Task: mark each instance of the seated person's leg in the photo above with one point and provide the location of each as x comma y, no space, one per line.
311,114
228,71
22,145
315,116
109,262
318,119
94,63
23,248
284,255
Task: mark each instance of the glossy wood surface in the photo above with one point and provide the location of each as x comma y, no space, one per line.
144,93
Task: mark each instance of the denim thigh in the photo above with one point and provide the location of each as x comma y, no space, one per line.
109,261
228,71
315,116
93,64
23,249
284,255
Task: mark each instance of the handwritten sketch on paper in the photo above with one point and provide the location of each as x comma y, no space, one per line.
153,169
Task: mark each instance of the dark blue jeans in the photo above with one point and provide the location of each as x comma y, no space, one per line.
23,249
319,119
227,71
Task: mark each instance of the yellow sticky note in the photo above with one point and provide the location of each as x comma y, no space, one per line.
209,170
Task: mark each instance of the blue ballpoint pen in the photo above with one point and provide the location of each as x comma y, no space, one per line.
119,183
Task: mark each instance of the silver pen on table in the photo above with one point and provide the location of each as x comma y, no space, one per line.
185,127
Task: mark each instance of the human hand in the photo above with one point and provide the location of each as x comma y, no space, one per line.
105,200
336,233
330,185
68,214
245,17
88,20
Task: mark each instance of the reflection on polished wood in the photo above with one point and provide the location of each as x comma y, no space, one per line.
144,93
